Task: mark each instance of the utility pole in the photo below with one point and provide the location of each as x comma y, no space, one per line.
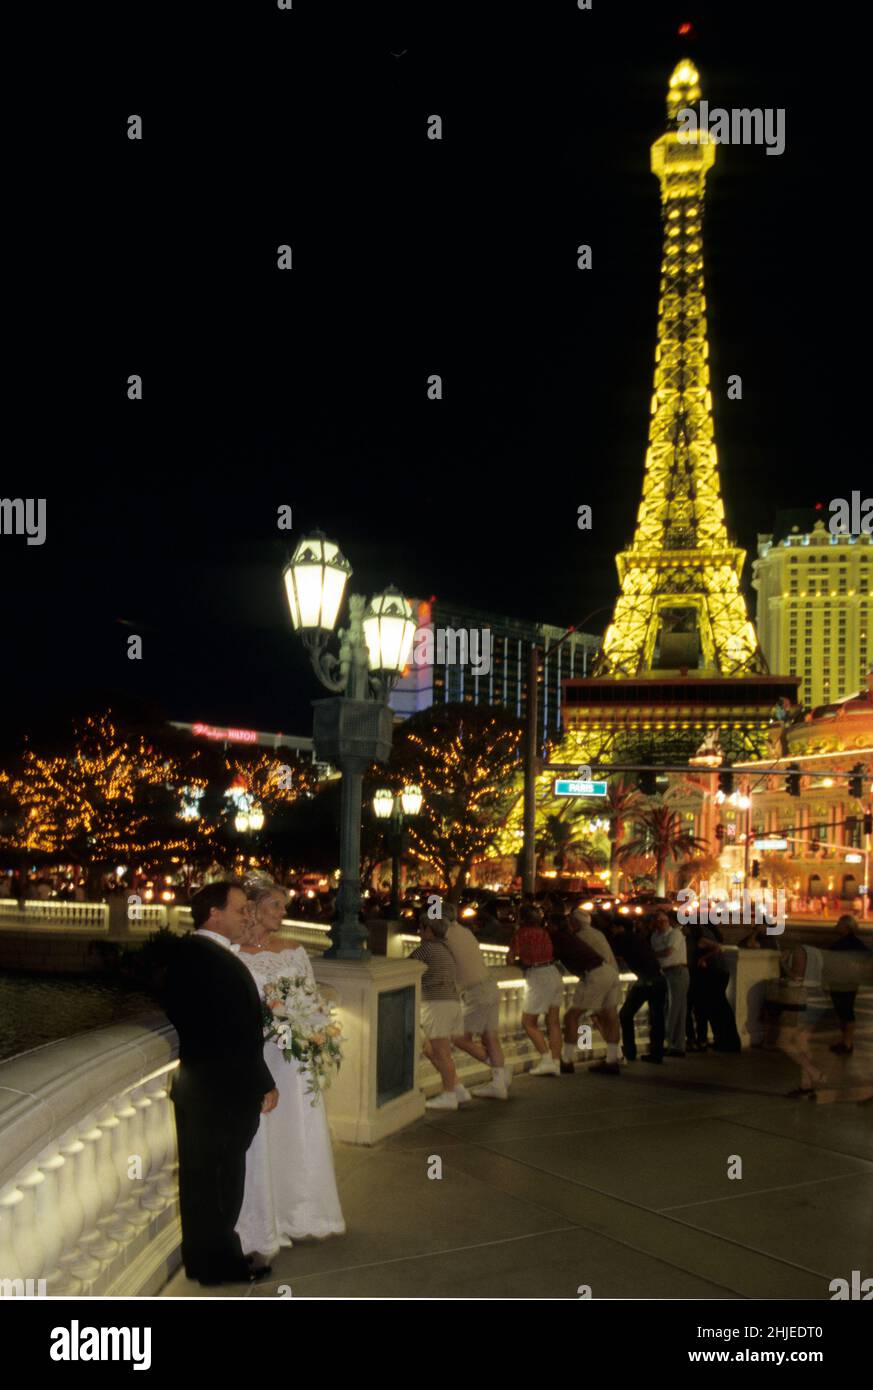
529,854
531,746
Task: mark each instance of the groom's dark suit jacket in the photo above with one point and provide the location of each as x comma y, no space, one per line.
213,1003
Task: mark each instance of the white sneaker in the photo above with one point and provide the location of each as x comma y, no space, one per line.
546,1066
462,1093
446,1100
506,1074
495,1089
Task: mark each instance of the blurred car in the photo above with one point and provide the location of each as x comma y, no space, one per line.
644,904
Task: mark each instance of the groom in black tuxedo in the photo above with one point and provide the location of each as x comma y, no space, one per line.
222,1085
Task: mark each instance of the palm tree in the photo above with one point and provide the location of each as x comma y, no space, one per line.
560,840
622,804
703,868
660,833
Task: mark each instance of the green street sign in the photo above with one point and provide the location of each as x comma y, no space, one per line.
574,786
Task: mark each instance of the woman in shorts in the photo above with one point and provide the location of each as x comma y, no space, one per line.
441,1013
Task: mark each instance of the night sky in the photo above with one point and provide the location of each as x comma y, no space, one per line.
411,257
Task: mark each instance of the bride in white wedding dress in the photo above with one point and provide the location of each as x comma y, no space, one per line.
290,1191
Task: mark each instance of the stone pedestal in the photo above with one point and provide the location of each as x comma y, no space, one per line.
375,1093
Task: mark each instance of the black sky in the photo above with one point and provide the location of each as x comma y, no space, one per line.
410,257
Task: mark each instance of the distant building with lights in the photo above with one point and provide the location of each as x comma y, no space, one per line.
815,609
818,838
504,684
252,738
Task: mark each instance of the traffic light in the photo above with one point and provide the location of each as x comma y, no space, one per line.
868,823
719,831
856,778
726,781
756,868
648,783
792,781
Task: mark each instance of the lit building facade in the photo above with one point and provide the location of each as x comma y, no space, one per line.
818,845
815,608
458,674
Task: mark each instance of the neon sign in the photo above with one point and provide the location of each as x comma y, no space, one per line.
226,735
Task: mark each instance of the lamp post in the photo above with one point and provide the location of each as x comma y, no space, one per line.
249,818
387,806
355,727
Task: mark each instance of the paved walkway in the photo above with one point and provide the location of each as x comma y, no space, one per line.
618,1183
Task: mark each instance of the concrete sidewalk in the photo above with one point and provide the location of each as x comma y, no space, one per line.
618,1183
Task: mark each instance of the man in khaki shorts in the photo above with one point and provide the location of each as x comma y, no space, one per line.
480,999
598,995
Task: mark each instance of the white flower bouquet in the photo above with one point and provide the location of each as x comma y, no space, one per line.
304,1028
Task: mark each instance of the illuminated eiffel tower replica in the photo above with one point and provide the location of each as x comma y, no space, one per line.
680,658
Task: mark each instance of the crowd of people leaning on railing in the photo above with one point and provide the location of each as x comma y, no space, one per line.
681,975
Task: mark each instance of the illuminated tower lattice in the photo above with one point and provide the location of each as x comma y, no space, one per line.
680,659
680,603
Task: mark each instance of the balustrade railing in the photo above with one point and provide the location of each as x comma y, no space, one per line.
85,916
88,1201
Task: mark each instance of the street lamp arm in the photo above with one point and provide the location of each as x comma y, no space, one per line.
577,627
332,671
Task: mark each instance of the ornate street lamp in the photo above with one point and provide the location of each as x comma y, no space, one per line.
355,729
388,631
315,580
396,808
249,817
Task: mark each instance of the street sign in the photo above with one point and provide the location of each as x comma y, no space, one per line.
575,786
771,842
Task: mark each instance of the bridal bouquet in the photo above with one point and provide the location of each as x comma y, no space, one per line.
303,1027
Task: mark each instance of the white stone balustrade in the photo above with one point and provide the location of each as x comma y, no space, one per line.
90,917
88,1198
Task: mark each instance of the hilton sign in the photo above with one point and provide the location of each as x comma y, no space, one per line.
225,735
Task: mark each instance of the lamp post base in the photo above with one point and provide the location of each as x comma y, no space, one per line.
346,946
351,734
349,938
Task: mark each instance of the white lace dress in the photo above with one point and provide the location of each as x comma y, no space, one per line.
290,1190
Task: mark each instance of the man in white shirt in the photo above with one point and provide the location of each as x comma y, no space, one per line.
598,996
592,936
480,998
670,946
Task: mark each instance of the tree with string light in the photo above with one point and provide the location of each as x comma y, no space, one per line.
112,798
466,760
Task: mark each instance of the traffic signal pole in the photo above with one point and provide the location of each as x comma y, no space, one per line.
529,856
